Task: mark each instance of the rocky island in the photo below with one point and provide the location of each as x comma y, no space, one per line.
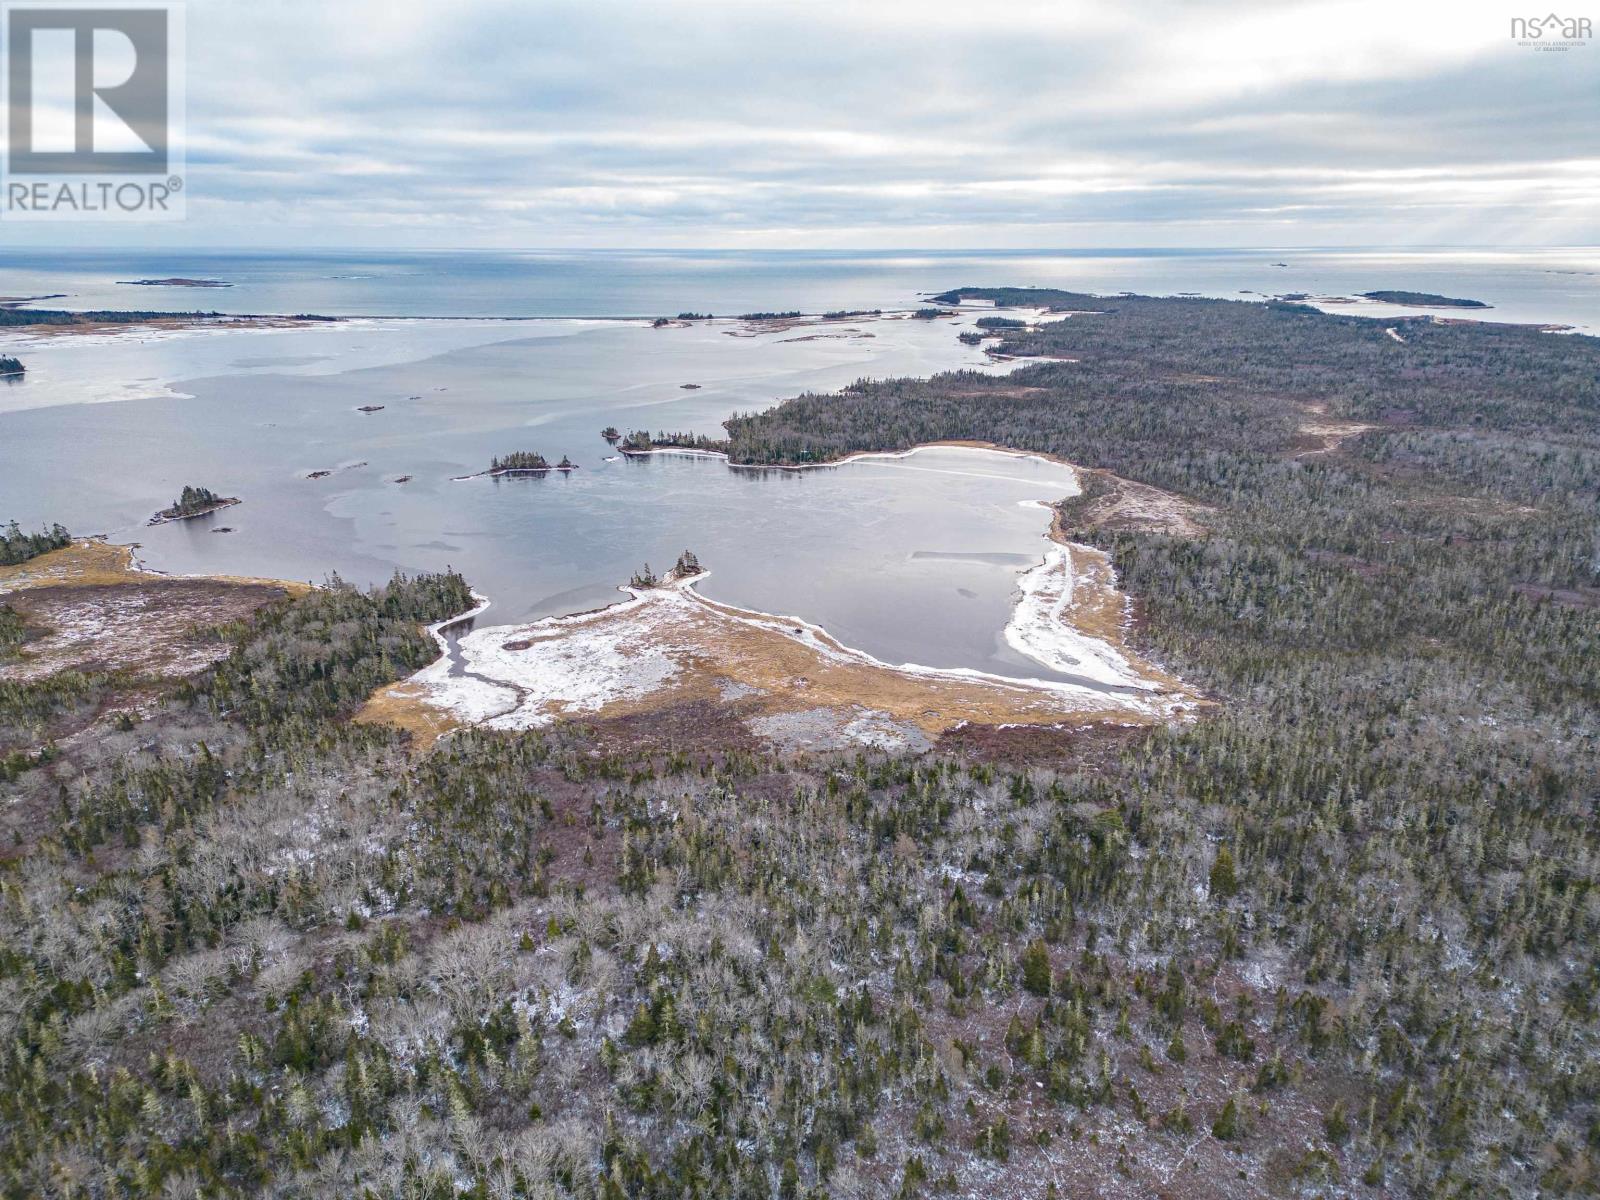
175,282
527,462
687,567
1423,300
11,366
192,502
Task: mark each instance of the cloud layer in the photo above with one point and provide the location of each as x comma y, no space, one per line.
882,124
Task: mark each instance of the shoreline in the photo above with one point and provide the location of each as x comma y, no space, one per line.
1062,655
1069,617
859,455
964,673
784,677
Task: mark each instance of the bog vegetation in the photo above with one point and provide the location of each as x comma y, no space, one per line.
1338,938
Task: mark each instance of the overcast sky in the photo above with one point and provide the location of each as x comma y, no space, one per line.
878,124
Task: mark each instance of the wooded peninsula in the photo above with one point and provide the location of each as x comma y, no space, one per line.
1337,936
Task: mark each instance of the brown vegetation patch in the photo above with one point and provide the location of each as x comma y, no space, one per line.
1574,597
401,706
90,608
92,562
153,627
1119,505
1324,437
700,726
1363,567
1009,392
1076,744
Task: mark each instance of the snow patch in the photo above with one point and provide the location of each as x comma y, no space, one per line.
1039,629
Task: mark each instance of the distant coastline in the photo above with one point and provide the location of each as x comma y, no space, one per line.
1422,300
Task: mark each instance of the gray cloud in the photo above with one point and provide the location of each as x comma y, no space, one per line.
887,124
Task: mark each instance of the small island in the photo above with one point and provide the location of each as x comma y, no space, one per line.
175,282
611,433
687,567
1423,300
193,502
11,366
526,462
370,408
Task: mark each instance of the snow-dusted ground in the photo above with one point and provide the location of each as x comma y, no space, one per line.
525,676
1041,629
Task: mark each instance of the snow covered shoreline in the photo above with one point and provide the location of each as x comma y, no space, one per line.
854,456
673,641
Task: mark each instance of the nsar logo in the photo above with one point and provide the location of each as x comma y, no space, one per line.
1552,32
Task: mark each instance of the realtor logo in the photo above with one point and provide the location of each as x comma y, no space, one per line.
93,110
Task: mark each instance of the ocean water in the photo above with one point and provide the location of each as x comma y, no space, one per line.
913,560
1561,285
910,559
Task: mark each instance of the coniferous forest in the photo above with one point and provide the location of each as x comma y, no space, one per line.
17,546
1338,936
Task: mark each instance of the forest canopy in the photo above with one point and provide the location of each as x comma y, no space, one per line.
1338,936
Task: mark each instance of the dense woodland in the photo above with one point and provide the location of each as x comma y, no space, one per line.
18,547
1338,937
